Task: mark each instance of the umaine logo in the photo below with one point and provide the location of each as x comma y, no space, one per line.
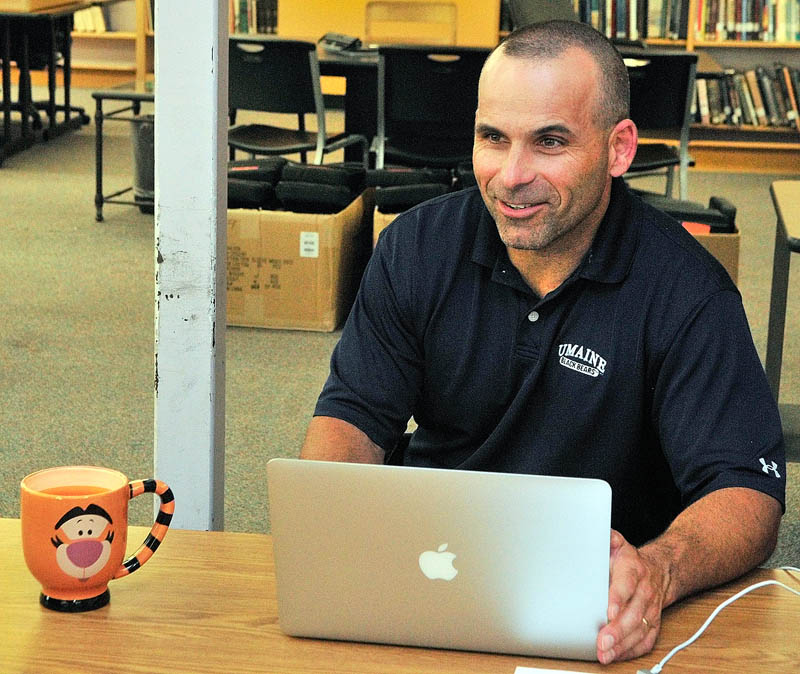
581,359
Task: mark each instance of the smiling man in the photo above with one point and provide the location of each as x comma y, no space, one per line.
550,322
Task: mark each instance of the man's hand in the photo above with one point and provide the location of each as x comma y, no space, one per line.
636,597
717,538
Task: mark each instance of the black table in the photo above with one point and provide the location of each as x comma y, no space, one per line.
23,36
132,95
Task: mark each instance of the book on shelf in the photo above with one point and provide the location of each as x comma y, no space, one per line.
80,21
703,108
749,116
790,89
755,92
715,104
737,105
725,98
98,19
769,97
655,12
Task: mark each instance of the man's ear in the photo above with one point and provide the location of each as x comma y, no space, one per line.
622,147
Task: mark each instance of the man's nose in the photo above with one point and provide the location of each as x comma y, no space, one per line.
519,167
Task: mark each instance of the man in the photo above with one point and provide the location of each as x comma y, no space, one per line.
550,322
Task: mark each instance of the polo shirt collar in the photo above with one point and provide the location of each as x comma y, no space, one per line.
609,257
611,254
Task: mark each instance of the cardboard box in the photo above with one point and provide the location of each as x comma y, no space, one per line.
296,271
725,247
379,222
30,5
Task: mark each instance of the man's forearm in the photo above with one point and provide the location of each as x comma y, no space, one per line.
330,439
716,539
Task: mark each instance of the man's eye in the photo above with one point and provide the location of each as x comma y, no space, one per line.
552,142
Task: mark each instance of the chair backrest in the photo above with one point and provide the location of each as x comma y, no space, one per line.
662,86
524,12
411,22
428,90
273,75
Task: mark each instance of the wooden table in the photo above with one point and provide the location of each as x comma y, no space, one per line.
786,199
206,603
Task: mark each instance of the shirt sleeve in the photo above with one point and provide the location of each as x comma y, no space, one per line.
713,409
377,366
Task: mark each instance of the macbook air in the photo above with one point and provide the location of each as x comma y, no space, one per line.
514,564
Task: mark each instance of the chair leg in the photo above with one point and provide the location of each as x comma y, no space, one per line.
670,181
683,181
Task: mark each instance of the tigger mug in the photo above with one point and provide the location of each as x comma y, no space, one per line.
75,530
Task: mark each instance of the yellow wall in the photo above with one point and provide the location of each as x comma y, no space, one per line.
477,20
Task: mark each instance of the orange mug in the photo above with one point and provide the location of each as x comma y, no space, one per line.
75,531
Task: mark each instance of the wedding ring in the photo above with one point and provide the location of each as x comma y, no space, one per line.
645,623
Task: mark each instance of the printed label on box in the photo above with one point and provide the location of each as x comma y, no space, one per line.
309,244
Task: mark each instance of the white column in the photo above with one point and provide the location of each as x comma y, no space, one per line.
191,71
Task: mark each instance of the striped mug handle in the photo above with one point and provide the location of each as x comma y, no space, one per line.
160,526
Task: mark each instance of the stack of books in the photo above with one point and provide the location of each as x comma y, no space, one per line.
89,20
757,97
252,16
636,19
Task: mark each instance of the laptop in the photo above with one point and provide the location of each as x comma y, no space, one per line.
504,563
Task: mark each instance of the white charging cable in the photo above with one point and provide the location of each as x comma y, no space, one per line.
657,668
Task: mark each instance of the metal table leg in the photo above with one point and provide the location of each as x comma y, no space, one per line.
98,160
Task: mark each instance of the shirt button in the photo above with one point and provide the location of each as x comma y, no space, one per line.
533,316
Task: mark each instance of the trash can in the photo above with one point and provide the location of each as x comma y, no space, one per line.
143,136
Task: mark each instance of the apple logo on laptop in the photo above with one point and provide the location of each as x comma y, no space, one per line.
438,564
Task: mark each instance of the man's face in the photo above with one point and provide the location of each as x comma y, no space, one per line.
540,160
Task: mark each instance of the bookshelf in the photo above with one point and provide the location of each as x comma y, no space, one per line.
123,49
112,45
724,41
759,148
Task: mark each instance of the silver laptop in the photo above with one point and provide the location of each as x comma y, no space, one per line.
514,564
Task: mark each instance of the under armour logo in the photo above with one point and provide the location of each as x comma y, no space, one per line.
771,466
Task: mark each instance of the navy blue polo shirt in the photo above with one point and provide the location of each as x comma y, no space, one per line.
639,369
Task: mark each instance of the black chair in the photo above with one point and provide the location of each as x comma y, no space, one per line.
274,75
427,96
719,215
662,87
397,456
